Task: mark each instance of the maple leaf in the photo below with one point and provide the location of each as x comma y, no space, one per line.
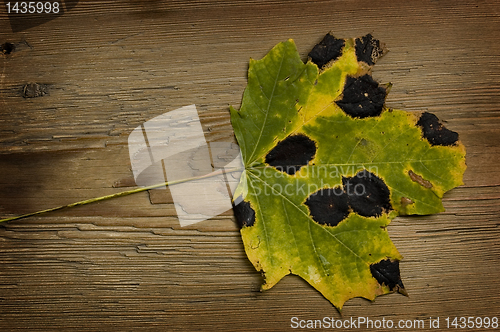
328,166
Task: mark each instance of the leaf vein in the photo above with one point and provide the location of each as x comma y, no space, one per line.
267,111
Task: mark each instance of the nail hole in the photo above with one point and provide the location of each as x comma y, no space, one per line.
33,90
7,48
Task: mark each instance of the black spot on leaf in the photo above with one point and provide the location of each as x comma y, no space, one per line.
362,97
368,49
435,132
387,273
367,194
292,153
244,214
330,48
328,206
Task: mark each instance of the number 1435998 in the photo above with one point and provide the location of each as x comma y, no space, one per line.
32,7
471,322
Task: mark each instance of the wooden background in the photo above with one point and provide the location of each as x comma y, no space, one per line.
126,264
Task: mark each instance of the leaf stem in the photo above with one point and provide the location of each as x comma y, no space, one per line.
123,193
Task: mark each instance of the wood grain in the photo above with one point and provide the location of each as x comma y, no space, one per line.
126,264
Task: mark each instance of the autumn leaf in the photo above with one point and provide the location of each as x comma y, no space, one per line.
328,166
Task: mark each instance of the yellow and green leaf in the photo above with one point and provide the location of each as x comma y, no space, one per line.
328,166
